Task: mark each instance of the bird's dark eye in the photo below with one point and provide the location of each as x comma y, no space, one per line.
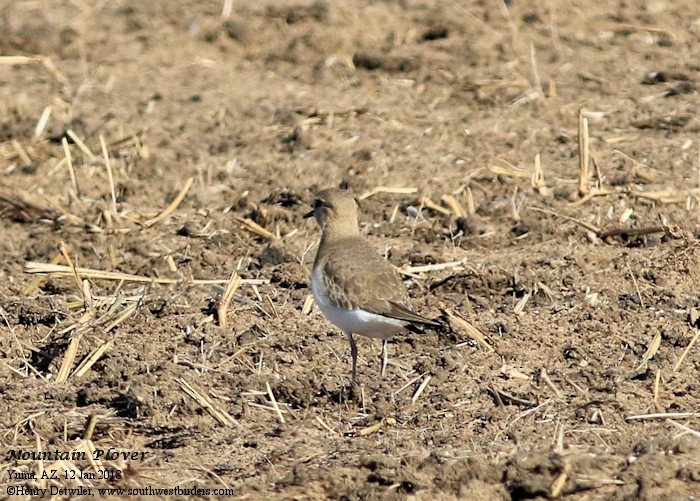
319,202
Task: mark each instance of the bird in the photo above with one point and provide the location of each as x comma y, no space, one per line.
355,288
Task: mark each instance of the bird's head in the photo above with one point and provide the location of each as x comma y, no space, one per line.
336,210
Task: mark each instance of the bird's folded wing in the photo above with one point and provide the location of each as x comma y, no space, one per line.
400,312
372,285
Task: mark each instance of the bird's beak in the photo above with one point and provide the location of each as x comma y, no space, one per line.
309,214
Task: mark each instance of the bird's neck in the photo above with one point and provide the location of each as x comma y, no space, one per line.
335,231
339,229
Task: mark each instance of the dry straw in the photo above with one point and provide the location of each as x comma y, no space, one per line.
685,430
69,163
385,189
558,484
426,202
413,270
308,304
584,153
663,415
459,324
173,205
80,144
225,300
657,384
324,425
38,280
219,414
68,358
651,350
421,389
110,176
93,357
273,401
255,228
454,205
687,350
42,122
537,181
45,61
21,152
375,427
32,267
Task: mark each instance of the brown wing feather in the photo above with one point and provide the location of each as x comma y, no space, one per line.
357,277
400,312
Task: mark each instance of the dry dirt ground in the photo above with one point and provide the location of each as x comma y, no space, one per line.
588,300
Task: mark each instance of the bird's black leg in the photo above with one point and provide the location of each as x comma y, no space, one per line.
353,352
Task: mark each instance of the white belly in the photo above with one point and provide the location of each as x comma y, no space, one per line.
354,321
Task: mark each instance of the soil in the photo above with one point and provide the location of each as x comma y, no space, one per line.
588,300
